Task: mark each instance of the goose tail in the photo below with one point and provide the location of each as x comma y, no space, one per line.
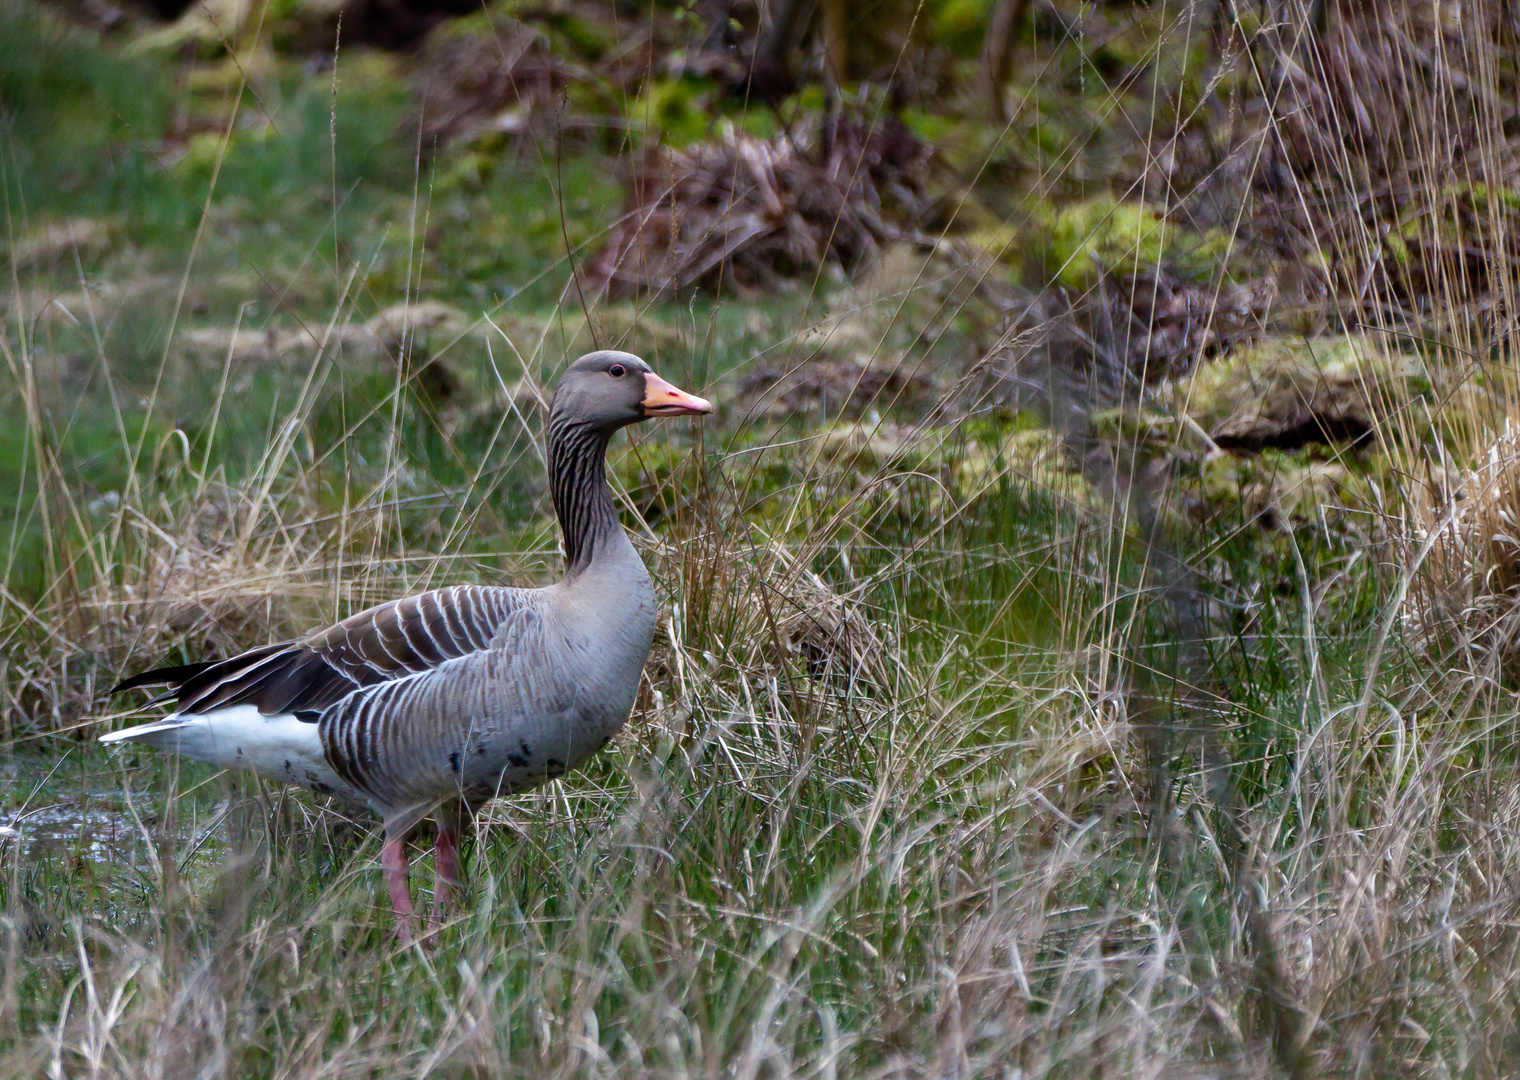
282,747
162,734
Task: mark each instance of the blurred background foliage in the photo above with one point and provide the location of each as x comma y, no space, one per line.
1088,622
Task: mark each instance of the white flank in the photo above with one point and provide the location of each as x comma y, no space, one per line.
280,747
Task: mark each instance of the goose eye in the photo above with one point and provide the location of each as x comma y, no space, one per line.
617,371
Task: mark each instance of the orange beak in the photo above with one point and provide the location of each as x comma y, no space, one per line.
662,399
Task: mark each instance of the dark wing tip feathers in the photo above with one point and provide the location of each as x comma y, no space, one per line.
306,676
173,676
287,676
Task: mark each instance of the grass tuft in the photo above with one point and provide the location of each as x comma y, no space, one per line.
1084,625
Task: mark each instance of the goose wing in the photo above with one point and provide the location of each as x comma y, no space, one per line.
305,676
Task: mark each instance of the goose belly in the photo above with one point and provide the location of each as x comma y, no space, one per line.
486,725
491,763
422,755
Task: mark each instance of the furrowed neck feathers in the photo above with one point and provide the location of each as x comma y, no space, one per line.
578,486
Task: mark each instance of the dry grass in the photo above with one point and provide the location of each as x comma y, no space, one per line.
926,779
1466,595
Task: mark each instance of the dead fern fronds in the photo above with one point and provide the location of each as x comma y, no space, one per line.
746,215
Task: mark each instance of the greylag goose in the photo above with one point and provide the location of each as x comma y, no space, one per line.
438,702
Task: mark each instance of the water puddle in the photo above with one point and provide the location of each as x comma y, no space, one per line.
49,811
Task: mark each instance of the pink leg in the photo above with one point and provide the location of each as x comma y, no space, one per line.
448,879
393,859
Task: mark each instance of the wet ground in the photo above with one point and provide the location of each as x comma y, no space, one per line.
76,807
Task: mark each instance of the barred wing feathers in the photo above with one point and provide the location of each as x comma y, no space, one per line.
306,676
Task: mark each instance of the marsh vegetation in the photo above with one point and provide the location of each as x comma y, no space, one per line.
1088,624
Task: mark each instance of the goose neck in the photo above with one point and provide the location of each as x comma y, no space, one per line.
578,485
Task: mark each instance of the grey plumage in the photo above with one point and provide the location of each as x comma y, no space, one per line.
385,642
438,702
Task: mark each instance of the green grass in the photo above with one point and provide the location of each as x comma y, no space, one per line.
76,116
1053,775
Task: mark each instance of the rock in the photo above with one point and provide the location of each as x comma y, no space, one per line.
830,387
521,399
853,334
208,23
308,25
1277,394
1284,394
414,322
627,327
1276,490
1076,242
246,347
57,243
868,445
1032,456
416,327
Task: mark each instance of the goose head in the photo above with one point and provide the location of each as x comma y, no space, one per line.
609,390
